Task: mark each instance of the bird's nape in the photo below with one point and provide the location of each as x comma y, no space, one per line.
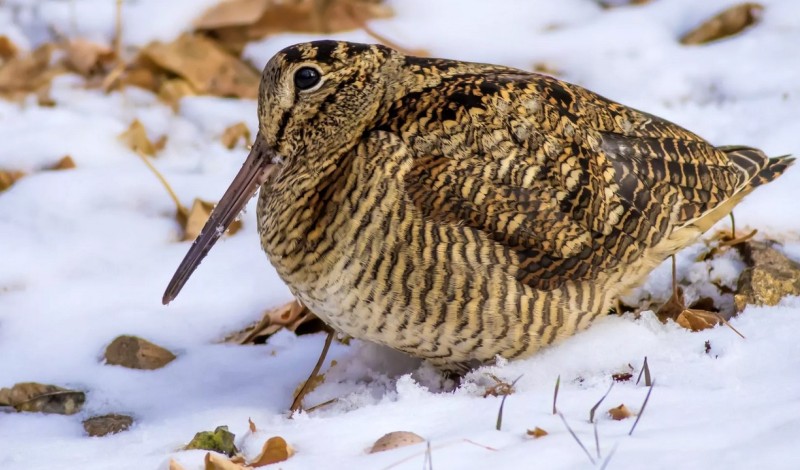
254,172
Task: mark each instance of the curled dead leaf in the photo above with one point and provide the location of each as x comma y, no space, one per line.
137,140
537,432
27,73
9,177
64,163
8,50
206,66
42,398
171,91
196,217
697,320
620,412
293,316
396,439
218,462
86,57
274,450
233,134
726,23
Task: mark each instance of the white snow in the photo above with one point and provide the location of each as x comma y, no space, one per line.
85,255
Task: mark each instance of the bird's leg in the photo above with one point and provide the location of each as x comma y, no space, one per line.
733,226
298,399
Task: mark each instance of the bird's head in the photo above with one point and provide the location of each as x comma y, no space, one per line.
315,100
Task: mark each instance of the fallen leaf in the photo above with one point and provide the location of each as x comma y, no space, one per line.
537,432
65,163
8,50
104,425
275,450
696,320
293,316
396,439
173,90
196,218
42,398
137,140
232,13
619,413
672,307
219,440
252,425
622,377
726,23
9,177
137,353
234,133
500,388
206,66
174,465
86,57
218,462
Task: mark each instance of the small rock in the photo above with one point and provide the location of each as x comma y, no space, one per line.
769,277
104,425
220,440
396,439
137,353
42,398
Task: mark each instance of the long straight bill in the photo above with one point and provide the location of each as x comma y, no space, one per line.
255,171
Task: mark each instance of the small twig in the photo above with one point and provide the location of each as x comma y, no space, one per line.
675,293
575,436
596,441
733,226
499,424
180,208
728,324
298,400
646,371
555,394
594,408
428,465
610,454
320,405
480,445
641,411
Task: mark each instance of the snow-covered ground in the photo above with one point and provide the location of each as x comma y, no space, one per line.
85,255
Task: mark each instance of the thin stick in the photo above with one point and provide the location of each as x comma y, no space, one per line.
641,412
733,226
298,400
163,180
555,394
503,402
610,454
428,465
674,278
320,405
646,371
596,441
575,436
728,324
594,408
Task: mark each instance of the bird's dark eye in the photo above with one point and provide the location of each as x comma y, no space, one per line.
306,77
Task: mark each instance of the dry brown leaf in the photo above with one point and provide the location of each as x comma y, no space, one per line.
396,439
696,320
171,91
727,23
620,412
137,353
672,308
275,450
252,425
142,73
214,461
621,377
86,57
198,216
9,177
206,66
8,49
42,398
293,316
65,163
28,73
232,13
174,465
500,388
537,432
136,139
234,133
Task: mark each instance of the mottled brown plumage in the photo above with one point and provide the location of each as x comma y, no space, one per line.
460,211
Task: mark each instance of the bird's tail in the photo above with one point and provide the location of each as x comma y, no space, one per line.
756,166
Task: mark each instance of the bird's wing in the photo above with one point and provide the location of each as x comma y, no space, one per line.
572,183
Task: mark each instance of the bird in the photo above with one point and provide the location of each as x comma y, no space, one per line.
463,212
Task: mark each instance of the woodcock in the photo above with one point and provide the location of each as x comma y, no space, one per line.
460,211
